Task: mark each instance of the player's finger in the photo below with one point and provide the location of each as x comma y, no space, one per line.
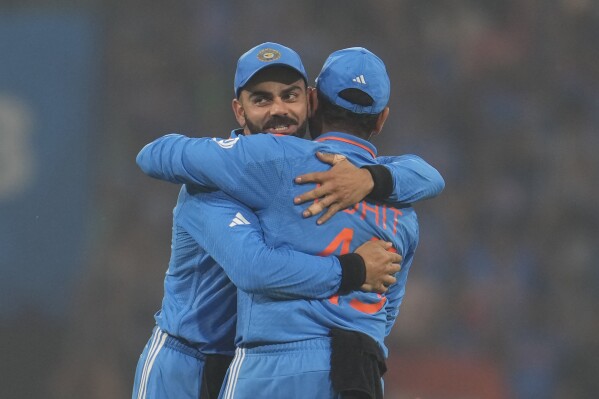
318,207
394,268
367,287
314,177
389,280
313,209
331,159
395,257
382,288
383,244
318,192
333,209
379,288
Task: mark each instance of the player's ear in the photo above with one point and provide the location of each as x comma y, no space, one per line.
380,121
239,112
312,101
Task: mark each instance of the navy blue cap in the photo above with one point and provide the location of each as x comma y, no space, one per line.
355,68
262,56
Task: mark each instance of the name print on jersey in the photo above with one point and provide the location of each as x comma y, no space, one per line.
381,214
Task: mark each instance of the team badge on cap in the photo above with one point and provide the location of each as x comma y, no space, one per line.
263,56
268,55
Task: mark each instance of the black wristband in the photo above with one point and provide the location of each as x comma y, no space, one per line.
383,182
353,272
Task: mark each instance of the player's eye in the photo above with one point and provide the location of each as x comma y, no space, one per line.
260,100
293,96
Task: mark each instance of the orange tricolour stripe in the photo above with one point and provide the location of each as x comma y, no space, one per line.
369,308
350,142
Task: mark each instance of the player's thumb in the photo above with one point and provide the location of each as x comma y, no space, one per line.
331,159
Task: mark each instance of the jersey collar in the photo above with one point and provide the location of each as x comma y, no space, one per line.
363,145
360,145
236,133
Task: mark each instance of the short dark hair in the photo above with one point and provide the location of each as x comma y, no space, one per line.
343,120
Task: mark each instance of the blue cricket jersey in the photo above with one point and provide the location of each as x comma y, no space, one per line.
258,170
199,304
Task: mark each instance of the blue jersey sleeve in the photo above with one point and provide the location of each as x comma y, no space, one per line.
246,167
231,234
413,178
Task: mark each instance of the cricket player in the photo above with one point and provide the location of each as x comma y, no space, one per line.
302,348
195,327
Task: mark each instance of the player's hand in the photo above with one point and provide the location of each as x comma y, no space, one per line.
342,186
381,265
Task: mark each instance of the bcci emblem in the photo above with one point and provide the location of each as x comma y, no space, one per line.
268,55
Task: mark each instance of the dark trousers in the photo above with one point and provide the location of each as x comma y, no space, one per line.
215,368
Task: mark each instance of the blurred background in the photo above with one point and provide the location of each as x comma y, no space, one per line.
501,96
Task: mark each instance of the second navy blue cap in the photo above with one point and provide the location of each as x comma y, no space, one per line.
262,56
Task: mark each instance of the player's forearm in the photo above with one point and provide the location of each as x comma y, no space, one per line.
413,179
165,158
287,274
214,164
257,268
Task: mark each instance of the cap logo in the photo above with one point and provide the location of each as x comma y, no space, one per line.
359,79
268,54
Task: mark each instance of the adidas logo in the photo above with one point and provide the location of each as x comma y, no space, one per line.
238,220
359,79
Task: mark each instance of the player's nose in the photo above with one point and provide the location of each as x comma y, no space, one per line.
278,107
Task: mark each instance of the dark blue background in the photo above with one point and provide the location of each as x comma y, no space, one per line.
47,67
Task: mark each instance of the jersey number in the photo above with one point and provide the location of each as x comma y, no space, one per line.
342,242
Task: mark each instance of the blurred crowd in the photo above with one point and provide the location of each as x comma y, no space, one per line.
502,97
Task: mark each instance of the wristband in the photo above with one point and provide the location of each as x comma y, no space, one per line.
353,272
383,182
